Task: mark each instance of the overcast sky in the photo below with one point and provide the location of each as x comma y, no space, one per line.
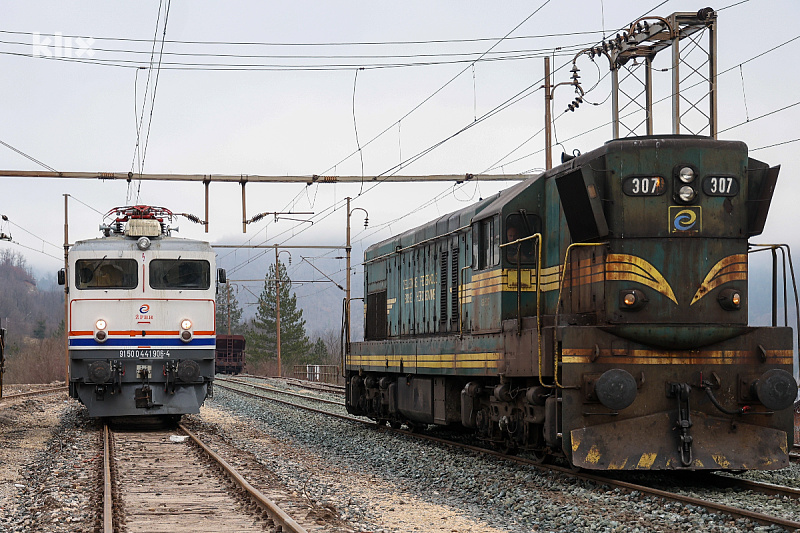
78,109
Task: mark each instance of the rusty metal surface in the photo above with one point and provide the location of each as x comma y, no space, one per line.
276,513
108,498
34,393
650,443
604,235
161,482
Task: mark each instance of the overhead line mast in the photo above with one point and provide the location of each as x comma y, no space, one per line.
243,179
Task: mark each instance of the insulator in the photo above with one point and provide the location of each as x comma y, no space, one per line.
605,46
619,38
578,100
591,53
646,26
570,107
639,27
366,221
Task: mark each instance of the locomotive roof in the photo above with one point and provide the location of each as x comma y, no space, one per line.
116,242
495,203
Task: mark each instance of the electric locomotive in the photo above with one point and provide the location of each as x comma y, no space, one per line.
596,312
141,317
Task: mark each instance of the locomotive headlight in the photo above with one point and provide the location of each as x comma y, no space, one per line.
100,335
186,326
730,299
686,175
686,194
631,299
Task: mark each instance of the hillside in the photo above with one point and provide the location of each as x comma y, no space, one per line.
26,310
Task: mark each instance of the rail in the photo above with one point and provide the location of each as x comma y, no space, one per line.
33,393
284,522
629,487
277,514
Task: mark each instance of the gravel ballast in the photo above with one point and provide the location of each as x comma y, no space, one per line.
492,492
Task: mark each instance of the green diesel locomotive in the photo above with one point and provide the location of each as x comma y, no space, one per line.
596,312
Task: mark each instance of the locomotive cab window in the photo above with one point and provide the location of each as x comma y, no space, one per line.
519,227
193,274
486,243
106,274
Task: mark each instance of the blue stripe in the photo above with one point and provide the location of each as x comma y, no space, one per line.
135,343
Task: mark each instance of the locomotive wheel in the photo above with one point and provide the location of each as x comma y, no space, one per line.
541,457
506,447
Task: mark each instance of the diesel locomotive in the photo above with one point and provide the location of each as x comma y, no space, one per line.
597,312
141,319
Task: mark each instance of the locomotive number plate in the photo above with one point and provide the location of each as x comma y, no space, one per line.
144,354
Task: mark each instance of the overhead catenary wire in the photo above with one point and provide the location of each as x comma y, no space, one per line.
415,108
29,157
59,259
310,44
282,67
401,164
78,51
327,212
441,88
155,89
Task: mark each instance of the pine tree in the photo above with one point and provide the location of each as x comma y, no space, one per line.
225,296
319,353
261,338
40,330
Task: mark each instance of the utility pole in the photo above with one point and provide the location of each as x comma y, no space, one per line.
228,292
278,304
66,289
548,134
277,308
348,248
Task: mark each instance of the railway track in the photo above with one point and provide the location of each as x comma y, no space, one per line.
310,385
41,392
725,481
165,481
276,390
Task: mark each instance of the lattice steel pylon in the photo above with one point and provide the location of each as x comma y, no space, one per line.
693,41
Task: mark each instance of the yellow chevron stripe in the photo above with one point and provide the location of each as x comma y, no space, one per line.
731,268
624,267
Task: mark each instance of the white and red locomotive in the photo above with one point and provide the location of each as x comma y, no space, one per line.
141,321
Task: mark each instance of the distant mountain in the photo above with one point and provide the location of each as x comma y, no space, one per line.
24,306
